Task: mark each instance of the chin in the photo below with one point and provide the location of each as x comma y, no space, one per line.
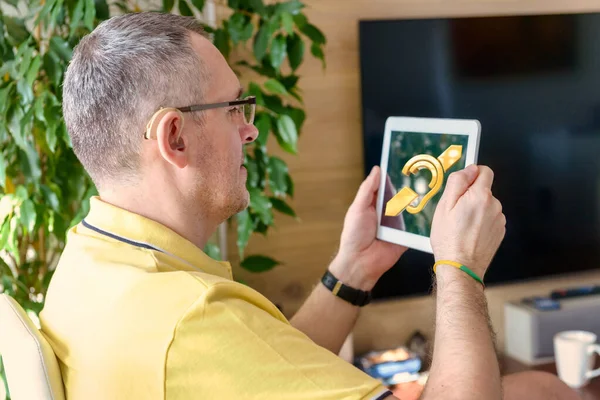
243,201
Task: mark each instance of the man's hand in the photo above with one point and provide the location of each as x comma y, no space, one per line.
468,225
362,258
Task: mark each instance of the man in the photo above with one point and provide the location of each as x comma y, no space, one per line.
136,310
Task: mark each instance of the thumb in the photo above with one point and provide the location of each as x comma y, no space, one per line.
458,184
367,189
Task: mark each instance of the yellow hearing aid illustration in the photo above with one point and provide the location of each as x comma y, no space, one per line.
437,166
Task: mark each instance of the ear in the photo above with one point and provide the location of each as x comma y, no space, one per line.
167,127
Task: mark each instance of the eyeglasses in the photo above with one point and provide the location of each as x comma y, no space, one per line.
246,106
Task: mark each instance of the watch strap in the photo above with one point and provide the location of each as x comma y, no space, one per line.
353,296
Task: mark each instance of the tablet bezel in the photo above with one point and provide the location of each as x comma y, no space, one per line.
439,126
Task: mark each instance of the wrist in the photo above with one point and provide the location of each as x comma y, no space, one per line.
351,273
447,275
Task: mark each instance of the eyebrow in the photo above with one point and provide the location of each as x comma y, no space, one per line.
240,92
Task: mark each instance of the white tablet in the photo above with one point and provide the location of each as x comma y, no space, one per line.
418,155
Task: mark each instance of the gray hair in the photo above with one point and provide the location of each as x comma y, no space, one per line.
120,74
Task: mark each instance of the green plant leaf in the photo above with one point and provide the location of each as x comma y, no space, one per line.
2,173
287,20
263,124
221,39
265,69
253,174
260,205
30,163
274,86
21,193
61,48
51,136
253,90
38,106
5,94
244,230
48,5
278,51
50,198
16,29
278,171
14,3
15,117
25,127
4,234
274,104
300,20
167,5
25,61
34,69
102,11
28,215
258,6
261,41
317,51
90,14
290,185
283,207
262,159
234,4
298,115
76,17
295,46
199,4
286,133
257,263
240,28
213,251
289,81
313,33
52,68
292,7
25,91
294,93
11,244
184,9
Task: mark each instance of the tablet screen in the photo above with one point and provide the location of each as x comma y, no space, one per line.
403,147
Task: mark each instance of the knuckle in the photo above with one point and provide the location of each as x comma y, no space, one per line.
498,206
487,197
487,170
456,178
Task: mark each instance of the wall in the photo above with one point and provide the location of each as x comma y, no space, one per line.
329,169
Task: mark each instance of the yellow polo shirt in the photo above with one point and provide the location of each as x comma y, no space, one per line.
135,311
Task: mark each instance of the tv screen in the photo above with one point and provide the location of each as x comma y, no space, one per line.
534,83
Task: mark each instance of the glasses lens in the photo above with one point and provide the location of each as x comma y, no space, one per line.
249,110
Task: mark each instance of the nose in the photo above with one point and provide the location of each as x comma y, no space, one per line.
249,133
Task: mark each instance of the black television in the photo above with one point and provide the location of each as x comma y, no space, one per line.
534,83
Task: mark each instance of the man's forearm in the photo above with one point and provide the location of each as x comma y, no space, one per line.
325,318
465,365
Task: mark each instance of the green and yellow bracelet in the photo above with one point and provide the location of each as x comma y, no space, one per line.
461,267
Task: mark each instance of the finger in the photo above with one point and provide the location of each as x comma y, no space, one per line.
497,206
458,183
366,192
485,178
502,220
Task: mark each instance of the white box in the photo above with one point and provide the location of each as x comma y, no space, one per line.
529,332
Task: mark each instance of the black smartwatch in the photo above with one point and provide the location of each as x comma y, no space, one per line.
353,296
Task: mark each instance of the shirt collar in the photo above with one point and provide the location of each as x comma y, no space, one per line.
131,228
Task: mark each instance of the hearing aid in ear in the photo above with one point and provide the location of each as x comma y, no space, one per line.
152,125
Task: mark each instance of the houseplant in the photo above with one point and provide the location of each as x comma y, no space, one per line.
43,188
